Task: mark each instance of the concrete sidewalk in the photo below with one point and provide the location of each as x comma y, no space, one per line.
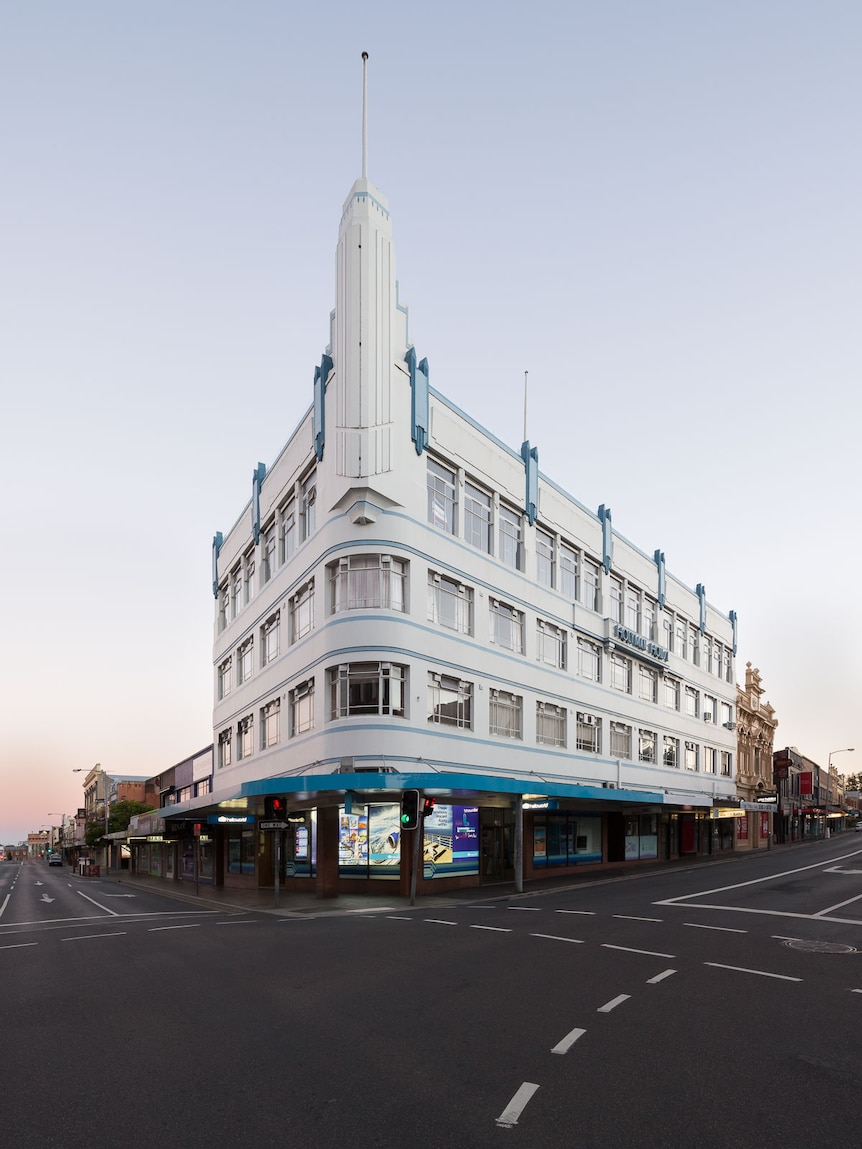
293,903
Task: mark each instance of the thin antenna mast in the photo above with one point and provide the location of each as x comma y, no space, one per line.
365,115
526,373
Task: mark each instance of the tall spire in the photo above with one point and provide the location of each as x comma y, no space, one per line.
365,115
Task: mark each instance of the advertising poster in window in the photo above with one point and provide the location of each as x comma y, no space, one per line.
353,844
451,841
384,841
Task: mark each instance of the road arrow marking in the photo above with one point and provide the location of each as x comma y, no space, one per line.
45,898
838,870
118,895
38,883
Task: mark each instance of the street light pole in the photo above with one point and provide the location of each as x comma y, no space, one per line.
845,750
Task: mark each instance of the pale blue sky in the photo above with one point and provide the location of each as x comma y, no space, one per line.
652,207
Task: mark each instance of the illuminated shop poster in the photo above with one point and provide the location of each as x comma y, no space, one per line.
353,843
451,841
384,837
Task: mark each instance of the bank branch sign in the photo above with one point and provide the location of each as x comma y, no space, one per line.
632,638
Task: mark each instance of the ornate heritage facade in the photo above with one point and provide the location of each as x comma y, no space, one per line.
755,731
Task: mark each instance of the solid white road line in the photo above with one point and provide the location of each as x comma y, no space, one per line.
852,990
494,929
187,926
24,945
554,938
399,918
686,898
613,1003
5,903
87,937
629,950
723,929
632,918
241,922
568,1041
516,1106
113,913
784,938
527,909
586,913
759,972
660,976
837,906
440,922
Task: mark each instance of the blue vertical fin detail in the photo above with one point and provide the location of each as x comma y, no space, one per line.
321,374
530,455
419,406
607,537
256,484
662,580
218,539
701,597
732,617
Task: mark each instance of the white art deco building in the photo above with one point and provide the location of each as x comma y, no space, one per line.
408,603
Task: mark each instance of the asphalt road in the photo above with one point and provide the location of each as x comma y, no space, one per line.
701,1007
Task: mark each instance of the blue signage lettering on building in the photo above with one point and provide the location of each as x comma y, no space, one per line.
637,640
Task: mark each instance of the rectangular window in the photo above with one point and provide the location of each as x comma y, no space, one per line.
507,626
706,654
441,498
366,688
682,638
621,673
450,701
301,706
224,678
589,660
691,755
616,585
550,644
477,518
621,740
633,609
726,714
710,709
450,603
308,505
718,659
248,577
667,627
568,572
709,760
647,742
694,646
301,611
647,684
545,564
268,549
671,693
269,723
235,591
726,764
287,532
269,636
591,584
224,748
650,619
363,582
245,661
510,537
589,732
671,751
692,702
245,737
504,713
550,724
223,606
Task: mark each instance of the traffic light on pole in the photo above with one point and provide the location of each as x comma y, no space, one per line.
275,809
428,807
409,809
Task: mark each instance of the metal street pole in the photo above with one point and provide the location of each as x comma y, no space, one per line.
845,750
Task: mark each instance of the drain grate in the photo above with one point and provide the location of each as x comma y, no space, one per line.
820,947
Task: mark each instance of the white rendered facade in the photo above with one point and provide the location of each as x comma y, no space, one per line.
406,593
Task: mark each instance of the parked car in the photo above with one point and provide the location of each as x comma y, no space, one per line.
55,860
859,826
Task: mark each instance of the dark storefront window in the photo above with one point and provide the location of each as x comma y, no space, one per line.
566,840
240,852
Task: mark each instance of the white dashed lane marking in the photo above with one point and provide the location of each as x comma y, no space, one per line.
721,929
568,1041
516,1106
613,1003
630,950
660,976
758,972
556,938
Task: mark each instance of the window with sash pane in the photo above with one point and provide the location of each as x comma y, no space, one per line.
268,550
550,644
504,713
616,591
245,737
357,688
589,660
726,764
224,748
269,723
301,703
441,497
450,603
269,638
621,673
589,732
647,742
286,532
650,619
671,693
709,760
507,626
308,506
670,753
245,661
248,577
301,611
621,740
691,755
477,517
569,572
633,609
591,584
692,702
510,537
450,701
647,684
361,582
225,674
550,724
545,566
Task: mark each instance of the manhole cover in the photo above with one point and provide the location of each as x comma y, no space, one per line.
820,947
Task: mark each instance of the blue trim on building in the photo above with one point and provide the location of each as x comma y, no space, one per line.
321,375
530,455
419,405
662,578
732,617
700,591
257,478
218,539
604,514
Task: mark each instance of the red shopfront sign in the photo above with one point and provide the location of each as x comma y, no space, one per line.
742,828
806,782
764,825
